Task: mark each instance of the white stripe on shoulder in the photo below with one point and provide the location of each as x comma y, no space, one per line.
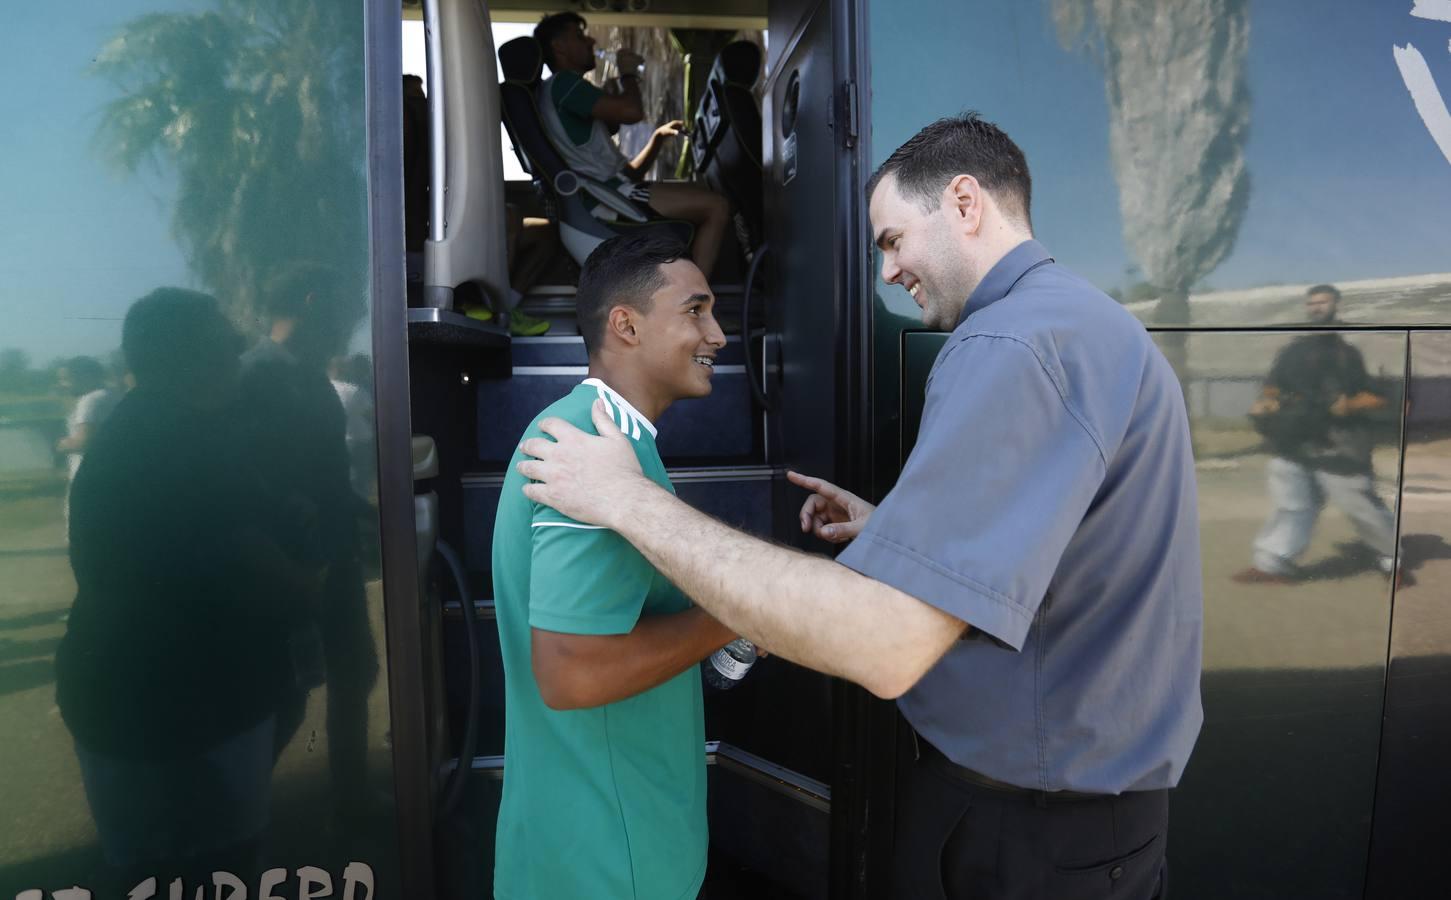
567,525
629,419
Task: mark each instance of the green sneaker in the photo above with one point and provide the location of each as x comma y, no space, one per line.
521,325
480,313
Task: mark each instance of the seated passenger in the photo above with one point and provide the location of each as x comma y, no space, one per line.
580,119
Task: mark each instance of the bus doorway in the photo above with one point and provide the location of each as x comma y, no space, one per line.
785,389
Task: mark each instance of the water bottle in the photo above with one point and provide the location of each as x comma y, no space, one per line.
727,666
608,57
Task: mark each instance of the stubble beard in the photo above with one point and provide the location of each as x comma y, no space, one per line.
951,286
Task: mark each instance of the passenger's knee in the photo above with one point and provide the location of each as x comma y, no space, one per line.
718,208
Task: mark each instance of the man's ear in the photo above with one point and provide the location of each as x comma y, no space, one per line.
623,323
965,199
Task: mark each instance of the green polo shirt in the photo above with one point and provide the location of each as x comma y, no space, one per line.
598,803
574,99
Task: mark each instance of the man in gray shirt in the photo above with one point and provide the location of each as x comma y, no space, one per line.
1030,590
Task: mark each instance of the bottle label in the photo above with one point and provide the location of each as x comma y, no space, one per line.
729,666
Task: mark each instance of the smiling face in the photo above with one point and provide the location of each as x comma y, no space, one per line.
925,251
678,335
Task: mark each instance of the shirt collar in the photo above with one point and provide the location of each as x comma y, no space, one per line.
612,396
1005,275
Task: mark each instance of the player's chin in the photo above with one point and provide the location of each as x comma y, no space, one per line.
700,385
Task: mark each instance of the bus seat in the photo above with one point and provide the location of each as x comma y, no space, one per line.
729,125
564,189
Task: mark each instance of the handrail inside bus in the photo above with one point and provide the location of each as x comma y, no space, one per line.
757,380
437,150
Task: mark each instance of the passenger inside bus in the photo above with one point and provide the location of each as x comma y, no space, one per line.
579,119
295,428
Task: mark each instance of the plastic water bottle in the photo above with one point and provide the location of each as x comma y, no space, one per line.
608,57
727,666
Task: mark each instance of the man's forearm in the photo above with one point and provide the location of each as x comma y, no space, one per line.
806,608
580,671
630,90
645,158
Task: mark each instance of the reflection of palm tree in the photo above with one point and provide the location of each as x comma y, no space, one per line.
257,107
1175,78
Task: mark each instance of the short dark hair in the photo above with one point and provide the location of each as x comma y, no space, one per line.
624,269
171,332
86,374
1330,289
960,145
552,26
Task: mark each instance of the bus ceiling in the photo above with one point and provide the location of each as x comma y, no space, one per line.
716,14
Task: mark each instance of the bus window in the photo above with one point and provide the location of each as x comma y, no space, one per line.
191,631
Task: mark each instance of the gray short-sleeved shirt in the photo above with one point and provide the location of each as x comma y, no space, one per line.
1050,503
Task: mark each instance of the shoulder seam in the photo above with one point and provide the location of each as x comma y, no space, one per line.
1052,379
576,83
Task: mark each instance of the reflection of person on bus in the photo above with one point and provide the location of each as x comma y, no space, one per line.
352,379
1316,415
605,796
579,117
1032,589
174,656
85,379
296,432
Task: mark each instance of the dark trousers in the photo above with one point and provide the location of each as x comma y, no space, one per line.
956,840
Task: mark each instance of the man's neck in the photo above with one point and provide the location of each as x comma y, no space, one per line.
630,384
999,243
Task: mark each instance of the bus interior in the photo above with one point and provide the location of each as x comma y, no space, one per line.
755,81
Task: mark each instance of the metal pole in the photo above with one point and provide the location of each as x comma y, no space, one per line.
437,133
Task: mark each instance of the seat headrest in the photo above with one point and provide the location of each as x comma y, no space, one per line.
521,60
740,63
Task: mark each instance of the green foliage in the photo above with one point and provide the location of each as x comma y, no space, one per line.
1142,291
257,109
14,367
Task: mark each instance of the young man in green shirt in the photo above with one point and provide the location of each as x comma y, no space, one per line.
604,752
581,120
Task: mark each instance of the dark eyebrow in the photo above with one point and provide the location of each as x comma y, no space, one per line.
696,298
881,240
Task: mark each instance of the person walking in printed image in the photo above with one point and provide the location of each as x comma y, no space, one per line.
1318,414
